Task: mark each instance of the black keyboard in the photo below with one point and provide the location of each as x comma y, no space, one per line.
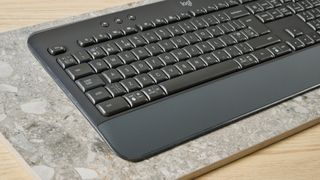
114,65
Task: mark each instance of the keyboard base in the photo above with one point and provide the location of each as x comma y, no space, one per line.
203,109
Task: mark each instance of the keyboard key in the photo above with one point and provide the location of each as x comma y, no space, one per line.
124,44
140,66
150,36
145,26
237,12
184,67
233,51
175,29
246,60
115,89
157,76
203,34
96,52
66,61
110,48
209,59
130,84
159,22
215,31
163,33
295,44
216,43
211,20
154,49
126,71
115,34
82,56
192,51
129,30
153,92
127,57
113,106
198,12
197,77
222,55
136,98
228,40
196,63
279,49
187,26
144,80
56,50
171,71
180,54
137,40
191,38
199,23
171,19
86,42
113,61
101,37
154,62
314,36
78,71
98,95
263,41
98,65
263,55
167,58
244,47
222,17
294,31
306,40
140,53
112,75
179,41
166,45
239,36
89,82
205,47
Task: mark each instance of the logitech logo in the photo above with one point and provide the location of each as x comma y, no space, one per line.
186,3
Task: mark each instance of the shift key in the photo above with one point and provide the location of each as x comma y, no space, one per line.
263,41
113,106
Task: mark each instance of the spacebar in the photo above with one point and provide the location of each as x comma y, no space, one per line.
200,76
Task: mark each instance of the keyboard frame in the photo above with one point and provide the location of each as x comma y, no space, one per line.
144,131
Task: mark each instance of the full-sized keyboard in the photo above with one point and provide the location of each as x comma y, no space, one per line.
155,76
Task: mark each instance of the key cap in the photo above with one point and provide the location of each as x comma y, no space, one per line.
197,77
154,49
198,12
222,17
101,37
157,76
140,53
295,44
154,62
263,55
113,61
150,36
246,60
98,65
175,29
136,98
124,44
294,31
112,75
171,71
211,20
166,45
222,55
127,57
203,34
216,43
184,67
129,30
226,28
180,54
56,50
153,92
115,89
314,36
163,33
209,59
86,42
192,51
171,19
126,71
196,63
227,39
179,41
130,84
98,95
144,80
263,41
306,40
199,23
191,38
137,40
96,52
205,47
66,61
233,51
115,34
235,13
110,48
167,58
279,49
255,24
187,26
244,47
89,82
141,66
82,56
78,71
113,106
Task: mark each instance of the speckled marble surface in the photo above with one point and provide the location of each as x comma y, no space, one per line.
58,143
